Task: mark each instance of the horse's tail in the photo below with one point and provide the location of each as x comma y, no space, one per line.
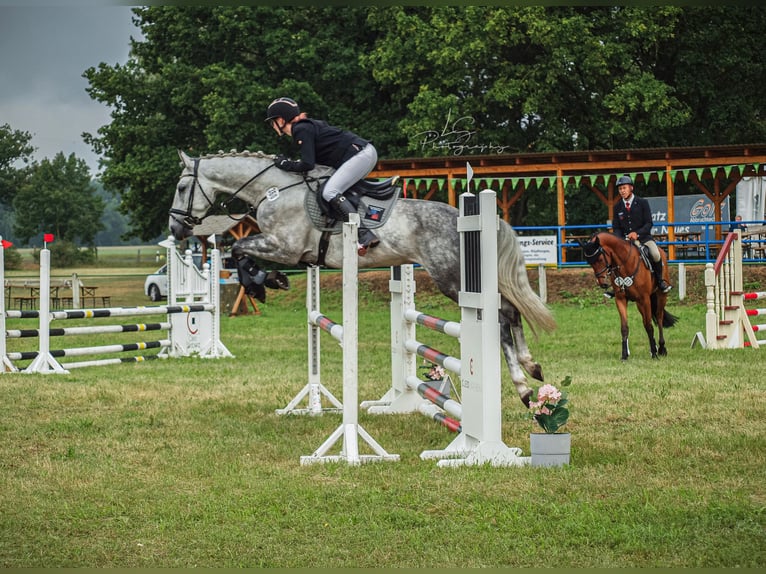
514,284
668,319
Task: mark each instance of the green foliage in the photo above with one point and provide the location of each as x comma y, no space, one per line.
425,81
58,198
67,254
201,82
14,148
12,258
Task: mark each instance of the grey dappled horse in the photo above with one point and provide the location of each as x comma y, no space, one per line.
417,231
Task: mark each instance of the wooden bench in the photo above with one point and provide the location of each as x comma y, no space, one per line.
26,302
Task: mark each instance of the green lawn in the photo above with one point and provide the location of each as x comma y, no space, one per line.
180,463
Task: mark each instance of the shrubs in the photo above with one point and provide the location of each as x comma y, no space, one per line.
12,258
67,254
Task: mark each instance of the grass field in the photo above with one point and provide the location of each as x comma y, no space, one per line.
181,463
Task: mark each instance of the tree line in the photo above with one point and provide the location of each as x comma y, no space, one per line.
524,78
55,196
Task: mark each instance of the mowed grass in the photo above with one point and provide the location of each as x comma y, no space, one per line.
183,462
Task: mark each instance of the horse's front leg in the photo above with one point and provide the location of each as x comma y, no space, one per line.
645,308
622,308
268,247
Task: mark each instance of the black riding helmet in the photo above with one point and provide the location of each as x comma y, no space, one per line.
625,179
286,108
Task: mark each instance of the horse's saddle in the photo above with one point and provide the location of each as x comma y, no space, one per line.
372,200
644,251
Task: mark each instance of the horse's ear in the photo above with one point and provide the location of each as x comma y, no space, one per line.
185,159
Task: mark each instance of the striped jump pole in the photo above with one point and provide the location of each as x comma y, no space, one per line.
97,350
350,431
755,295
436,403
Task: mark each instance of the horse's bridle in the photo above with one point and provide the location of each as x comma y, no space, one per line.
611,270
185,216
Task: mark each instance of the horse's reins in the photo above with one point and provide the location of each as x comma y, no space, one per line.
189,221
613,271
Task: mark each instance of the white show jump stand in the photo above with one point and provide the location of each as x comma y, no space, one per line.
480,441
350,430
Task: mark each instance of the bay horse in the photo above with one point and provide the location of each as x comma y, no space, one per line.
417,231
618,263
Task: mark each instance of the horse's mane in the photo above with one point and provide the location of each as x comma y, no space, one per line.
243,153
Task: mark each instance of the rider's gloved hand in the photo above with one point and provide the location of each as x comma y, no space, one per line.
282,162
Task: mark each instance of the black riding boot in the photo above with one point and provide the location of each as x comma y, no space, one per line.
367,239
662,285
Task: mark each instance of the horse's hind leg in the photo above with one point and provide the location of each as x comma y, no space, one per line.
659,318
516,353
646,314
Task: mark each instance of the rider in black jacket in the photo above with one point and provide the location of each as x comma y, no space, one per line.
320,143
633,221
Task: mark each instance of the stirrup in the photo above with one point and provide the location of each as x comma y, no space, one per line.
665,287
362,248
368,240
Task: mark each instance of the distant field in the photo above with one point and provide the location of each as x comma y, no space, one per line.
114,255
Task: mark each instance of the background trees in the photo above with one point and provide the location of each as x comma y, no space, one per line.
58,198
535,78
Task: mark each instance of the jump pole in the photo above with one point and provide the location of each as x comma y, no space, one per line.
350,430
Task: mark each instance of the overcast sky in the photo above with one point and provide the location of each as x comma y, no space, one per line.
43,54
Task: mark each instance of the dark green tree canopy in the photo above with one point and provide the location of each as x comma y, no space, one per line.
58,198
15,154
425,81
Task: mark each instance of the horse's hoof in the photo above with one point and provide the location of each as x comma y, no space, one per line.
537,372
526,397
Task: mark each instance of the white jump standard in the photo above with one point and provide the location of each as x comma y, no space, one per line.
314,389
193,321
350,430
480,441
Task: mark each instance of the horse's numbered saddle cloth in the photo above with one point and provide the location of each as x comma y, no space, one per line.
373,204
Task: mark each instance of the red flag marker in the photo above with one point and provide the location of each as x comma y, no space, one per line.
6,244
48,237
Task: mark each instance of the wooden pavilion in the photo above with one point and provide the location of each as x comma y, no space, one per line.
714,170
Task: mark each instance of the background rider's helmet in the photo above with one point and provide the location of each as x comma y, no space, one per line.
282,108
625,179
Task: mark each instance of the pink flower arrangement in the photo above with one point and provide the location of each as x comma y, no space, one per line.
548,406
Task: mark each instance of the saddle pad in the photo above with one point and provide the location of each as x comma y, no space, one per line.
372,212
